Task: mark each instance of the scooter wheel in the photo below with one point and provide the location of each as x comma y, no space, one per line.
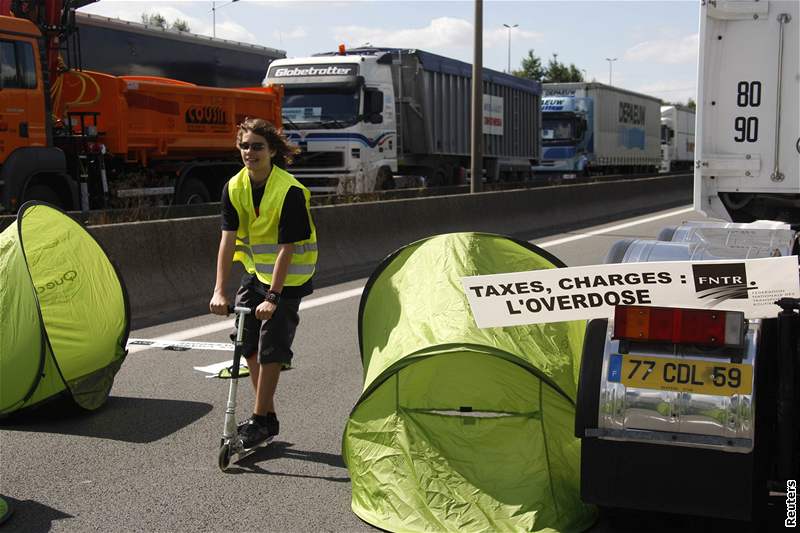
224,458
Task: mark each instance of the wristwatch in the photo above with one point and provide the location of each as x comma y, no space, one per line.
273,297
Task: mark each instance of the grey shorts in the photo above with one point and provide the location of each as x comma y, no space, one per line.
272,339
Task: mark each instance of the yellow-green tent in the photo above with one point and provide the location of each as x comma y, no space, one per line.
64,315
459,428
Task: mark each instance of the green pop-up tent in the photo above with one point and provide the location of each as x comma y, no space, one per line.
64,318
459,428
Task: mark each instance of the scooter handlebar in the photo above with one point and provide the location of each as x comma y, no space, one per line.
239,310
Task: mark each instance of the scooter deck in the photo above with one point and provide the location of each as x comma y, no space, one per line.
246,452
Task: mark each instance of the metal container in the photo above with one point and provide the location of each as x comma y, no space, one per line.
434,111
121,48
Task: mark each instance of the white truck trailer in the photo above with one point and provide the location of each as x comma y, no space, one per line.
677,138
366,117
592,128
654,446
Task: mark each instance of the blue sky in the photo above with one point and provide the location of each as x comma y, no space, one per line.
655,42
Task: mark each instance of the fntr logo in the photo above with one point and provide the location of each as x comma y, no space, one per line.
721,282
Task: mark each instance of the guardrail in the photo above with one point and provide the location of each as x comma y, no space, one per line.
134,214
169,265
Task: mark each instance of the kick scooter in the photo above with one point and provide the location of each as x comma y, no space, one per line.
231,448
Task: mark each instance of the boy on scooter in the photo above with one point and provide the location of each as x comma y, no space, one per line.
266,226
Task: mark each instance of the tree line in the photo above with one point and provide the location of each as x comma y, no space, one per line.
158,20
555,71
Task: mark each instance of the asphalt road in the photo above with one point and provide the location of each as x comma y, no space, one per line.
147,461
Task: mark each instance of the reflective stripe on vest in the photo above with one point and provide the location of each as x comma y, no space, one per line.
257,236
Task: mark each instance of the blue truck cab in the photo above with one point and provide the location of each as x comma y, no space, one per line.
567,136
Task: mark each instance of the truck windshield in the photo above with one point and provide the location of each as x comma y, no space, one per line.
558,130
308,108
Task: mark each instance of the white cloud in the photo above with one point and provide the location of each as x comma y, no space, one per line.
499,36
670,90
442,32
298,32
665,51
227,29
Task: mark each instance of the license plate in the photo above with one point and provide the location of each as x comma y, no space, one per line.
681,375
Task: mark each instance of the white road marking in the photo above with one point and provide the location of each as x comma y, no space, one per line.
609,229
352,293
228,324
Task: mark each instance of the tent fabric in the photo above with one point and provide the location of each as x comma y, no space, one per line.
459,428
64,313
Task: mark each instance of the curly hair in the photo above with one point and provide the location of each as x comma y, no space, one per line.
284,152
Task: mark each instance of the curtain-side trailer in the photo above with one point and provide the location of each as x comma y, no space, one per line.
592,128
677,138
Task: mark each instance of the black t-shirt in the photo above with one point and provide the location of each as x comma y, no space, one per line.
293,226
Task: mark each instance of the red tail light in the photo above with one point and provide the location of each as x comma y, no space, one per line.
679,326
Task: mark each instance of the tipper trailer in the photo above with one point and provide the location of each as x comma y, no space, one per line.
365,116
83,139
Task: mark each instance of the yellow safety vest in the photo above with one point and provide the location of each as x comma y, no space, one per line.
257,237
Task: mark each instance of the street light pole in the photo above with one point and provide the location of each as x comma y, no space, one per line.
509,44
610,62
214,16
476,144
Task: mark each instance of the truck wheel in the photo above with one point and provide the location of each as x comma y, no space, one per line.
384,181
193,191
434,177
43,193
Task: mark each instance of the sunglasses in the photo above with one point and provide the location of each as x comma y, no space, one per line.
257,147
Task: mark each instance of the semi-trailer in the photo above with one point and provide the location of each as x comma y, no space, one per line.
123,48
595,129
677,138
367,116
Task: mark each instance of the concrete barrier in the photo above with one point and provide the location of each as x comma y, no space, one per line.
169,266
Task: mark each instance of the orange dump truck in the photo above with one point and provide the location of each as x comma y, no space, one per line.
90,140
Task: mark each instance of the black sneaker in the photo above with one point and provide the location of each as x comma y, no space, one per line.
254,434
